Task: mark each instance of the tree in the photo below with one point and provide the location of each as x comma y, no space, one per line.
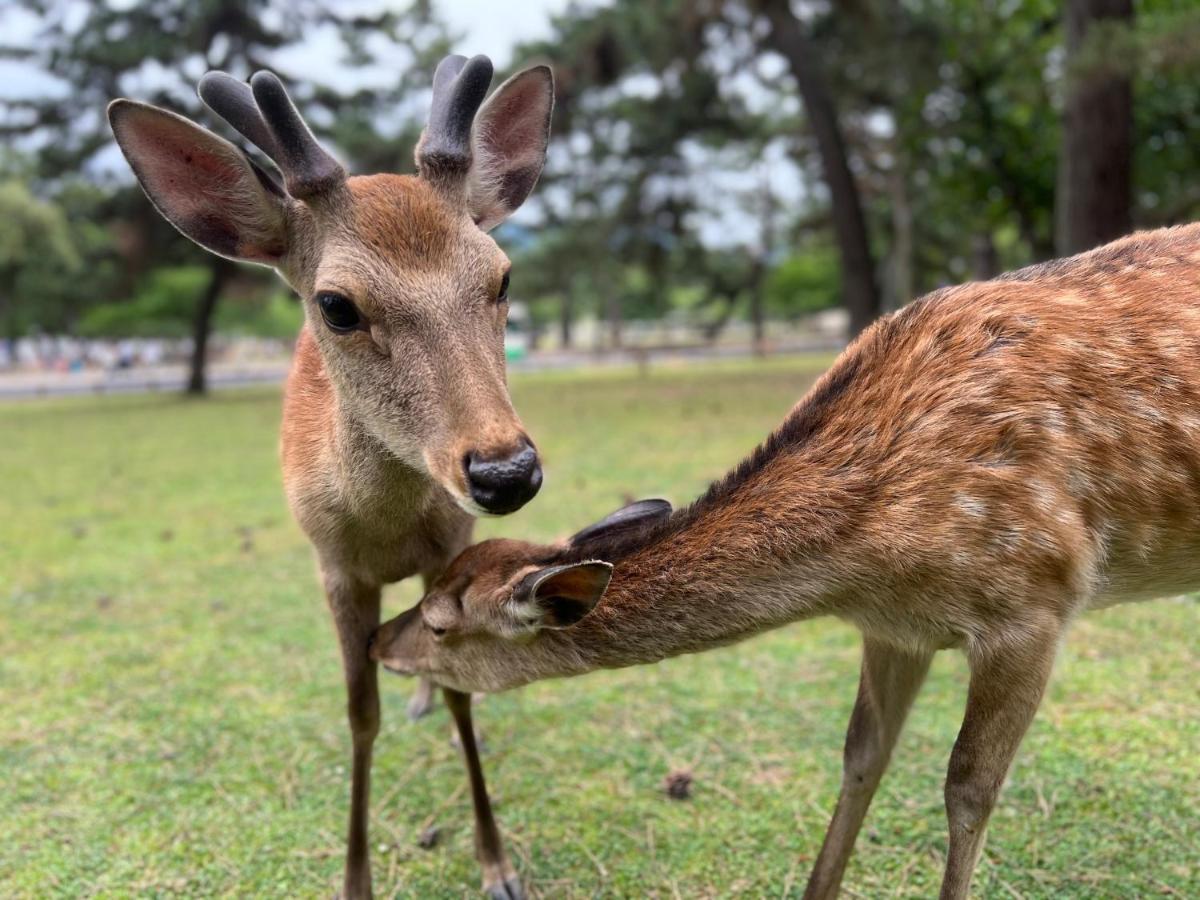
859,284
1095,195
108,52
34,236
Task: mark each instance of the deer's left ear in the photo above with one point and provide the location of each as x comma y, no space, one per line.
509,140
559,596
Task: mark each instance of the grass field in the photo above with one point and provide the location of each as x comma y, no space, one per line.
171,710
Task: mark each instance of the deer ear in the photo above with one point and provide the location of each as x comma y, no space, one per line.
628,518
559,596
202,184
509,140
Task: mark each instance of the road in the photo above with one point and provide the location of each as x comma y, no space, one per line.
229,375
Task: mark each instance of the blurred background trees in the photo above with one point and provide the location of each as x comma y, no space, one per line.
713,161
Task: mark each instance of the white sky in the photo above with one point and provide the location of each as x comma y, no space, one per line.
494,27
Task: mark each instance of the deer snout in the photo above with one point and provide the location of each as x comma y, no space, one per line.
388,642
503,483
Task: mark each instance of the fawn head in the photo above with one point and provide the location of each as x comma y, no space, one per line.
403,290
480,624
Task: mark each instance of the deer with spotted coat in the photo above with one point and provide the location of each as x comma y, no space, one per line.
974,472
397,424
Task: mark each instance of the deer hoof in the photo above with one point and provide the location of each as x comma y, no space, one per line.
509,889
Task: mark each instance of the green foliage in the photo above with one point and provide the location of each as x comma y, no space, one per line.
35,242
804,283
163,307
274,315
165,304
174,712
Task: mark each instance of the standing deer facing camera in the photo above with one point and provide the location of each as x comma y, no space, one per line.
397,425
974,472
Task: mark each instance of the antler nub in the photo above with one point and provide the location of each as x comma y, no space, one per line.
459,86
262,112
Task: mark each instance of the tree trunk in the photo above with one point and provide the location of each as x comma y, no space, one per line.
985,261
220,271
612,303
762,264
565,316
902,232
1095,194
758,290
859,287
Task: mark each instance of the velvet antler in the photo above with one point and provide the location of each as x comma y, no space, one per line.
459,86
262,112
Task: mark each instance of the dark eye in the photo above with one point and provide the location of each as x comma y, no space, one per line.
339,313
437,632
503,295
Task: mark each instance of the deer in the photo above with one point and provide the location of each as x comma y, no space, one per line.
398,430
973,472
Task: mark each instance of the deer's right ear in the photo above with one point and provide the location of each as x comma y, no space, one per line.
202,184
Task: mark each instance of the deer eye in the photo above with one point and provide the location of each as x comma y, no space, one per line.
339,314
502,297
437,632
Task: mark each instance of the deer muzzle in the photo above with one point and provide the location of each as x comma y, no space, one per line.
503,483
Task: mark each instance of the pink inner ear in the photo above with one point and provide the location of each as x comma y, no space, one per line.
577,583
172,158
202,185
515,130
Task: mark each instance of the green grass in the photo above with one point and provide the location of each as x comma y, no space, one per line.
171,710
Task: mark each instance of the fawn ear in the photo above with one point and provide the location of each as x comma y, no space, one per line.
559,596
509,140
202,184
628,518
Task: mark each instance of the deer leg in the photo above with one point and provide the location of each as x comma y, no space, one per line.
421,702
889,681
1006,688
355,608
500,879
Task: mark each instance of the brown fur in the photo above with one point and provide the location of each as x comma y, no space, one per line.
974,471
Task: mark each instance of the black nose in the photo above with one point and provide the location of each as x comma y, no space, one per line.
371,641
504,484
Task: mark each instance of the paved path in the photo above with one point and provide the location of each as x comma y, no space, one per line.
224,375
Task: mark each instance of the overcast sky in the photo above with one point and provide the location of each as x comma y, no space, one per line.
495,27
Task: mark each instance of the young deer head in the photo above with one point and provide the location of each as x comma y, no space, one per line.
484,622
403,290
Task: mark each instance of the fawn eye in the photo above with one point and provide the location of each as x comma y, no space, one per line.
502,297
437,632
339,314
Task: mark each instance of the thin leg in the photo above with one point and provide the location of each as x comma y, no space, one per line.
421,702
1006,688
889,681
500,880
355,608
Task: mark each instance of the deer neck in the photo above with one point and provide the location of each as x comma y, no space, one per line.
714,575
